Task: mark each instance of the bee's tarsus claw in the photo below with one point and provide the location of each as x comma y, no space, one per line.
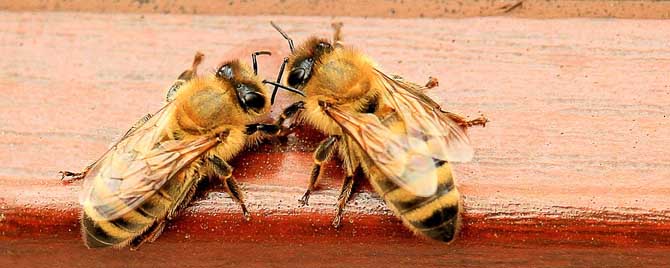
67,177
246,215
432,82
337,221
304,200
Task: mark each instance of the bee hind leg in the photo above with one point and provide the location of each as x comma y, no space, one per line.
345,194
224,172
432,82
149,236
322,154
465,123
68,177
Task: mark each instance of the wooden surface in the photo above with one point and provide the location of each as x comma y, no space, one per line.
573,170
642,9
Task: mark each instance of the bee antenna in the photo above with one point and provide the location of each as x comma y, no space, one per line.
290,41
281,71
287,88
253,59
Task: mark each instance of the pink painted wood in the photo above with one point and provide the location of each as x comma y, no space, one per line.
573,169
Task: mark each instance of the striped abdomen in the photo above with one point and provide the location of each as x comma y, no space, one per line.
132,227
436,216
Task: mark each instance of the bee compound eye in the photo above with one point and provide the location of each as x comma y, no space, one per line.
297,76
225,71
254,100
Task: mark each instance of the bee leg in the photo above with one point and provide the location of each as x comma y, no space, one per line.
464,123
150,236
184,77
337,34
224,172
68,177
322,154
345,193
268,129
482,120
432,82
185,196
158,230
288,113
137,125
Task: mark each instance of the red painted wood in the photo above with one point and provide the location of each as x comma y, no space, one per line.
573,170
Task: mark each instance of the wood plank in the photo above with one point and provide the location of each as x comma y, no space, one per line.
573,170
641,9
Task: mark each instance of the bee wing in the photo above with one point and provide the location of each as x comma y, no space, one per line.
424,118
407,158
137,166
404,159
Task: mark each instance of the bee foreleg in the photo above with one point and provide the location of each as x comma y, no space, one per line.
224,172
269,129
289,113
322,154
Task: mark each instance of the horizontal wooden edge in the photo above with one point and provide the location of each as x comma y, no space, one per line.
366,220
645,9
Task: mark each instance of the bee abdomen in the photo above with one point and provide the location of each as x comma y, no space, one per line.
120,231
95,236
438,220
436,216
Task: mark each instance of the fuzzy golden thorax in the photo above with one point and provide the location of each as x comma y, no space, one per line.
217,101
334,75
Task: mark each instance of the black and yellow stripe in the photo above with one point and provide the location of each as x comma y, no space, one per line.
136,224
436,216
121,231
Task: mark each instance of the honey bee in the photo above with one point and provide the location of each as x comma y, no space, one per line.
152,173
399,137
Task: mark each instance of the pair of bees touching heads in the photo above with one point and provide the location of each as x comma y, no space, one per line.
383,125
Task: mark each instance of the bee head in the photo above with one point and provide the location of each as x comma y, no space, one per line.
249,91
302,65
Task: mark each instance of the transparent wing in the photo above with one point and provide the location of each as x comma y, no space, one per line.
407,157
137,166
424,118
402,158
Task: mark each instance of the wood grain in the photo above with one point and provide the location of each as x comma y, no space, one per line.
641,9
573,170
